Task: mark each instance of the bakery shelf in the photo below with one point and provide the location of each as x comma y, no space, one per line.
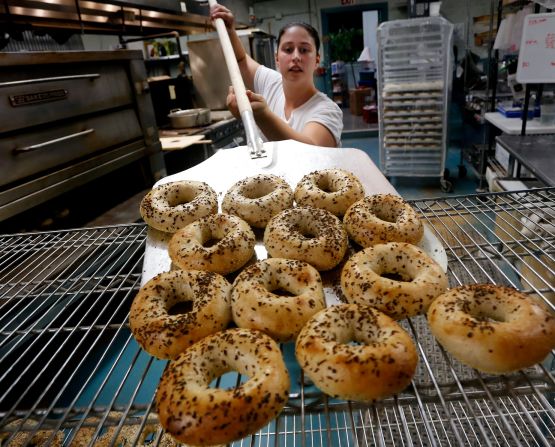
68,363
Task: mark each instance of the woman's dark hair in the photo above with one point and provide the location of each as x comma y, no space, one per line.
309,29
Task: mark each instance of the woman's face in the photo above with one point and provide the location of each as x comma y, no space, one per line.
296,56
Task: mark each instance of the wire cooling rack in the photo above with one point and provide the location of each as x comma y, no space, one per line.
71,373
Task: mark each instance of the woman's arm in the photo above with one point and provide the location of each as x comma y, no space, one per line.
247,65
275,129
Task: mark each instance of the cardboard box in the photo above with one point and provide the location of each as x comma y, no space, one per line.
357,99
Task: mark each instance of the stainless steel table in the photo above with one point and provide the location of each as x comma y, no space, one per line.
534,152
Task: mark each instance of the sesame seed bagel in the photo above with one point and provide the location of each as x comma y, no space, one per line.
171,206
397,278
195,413
383,218
257,199
307,234
381,364
256,304
334,190
218,243
494,329
156,322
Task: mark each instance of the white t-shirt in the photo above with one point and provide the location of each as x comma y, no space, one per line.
319,108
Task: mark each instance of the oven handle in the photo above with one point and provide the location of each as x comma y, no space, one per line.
56,78
48,143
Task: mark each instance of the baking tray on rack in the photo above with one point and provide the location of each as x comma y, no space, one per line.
291,163
78,370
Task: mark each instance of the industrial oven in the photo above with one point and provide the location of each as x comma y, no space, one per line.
68,118
70,368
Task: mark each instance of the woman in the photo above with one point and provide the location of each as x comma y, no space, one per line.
286,104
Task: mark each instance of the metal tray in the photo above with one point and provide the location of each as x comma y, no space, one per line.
69,364
222,171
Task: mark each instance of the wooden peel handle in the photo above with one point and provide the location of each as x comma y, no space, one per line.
243,102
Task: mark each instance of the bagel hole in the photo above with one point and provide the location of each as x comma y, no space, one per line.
385,216
258,191
305,232
282,292
181,199
325,185
488,315
210,242
228,380
181,307
396,276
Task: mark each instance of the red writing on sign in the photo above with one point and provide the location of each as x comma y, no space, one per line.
525,64
550,40
536,21
532,42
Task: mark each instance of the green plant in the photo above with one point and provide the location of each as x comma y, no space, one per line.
345,45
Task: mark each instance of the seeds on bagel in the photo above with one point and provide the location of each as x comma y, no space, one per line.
172,206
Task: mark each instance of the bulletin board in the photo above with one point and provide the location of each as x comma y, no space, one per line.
536,59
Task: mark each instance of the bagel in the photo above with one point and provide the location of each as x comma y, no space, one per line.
382,364
257,199
334,190
494,329
397,278
256,304
172,206
195,413
218,243
307,234
161,331
383,218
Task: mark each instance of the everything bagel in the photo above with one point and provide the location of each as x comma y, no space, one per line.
195,413
494,329
257,305
381,218
381,364
164,333
218,243
172,206
257,199
307,234
397,278
334,190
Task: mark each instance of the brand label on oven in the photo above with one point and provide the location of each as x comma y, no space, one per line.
38,97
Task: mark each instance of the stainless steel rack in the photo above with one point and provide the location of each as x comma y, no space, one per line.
71,373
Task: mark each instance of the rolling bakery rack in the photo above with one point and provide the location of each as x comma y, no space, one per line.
71,373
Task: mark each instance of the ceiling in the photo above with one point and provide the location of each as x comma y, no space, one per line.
115,17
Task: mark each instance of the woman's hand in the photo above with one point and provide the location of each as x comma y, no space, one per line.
258,103
221,12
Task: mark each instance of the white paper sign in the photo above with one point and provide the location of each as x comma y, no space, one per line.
536,60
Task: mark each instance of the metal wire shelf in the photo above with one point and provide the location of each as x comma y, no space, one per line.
71,373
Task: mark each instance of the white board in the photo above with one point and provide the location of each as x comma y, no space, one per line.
536,59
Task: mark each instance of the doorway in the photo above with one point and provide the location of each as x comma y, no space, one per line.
351,28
